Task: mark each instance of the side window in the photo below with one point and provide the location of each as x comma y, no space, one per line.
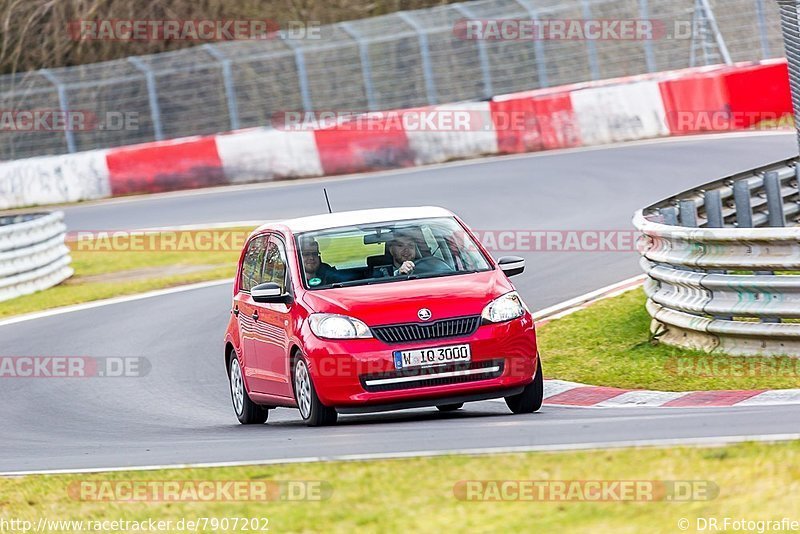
251,267
275,264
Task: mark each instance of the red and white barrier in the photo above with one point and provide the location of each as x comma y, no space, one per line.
717,98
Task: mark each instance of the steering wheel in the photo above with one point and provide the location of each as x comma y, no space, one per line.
430,265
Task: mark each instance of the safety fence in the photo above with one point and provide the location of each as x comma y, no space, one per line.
723,264
33,255
688,101
401,60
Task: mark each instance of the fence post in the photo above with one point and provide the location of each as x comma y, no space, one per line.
152,96
227,80
762,30
427,69
647,44
483,55
302,73
591,48
538,45
366,71
63,103
712,20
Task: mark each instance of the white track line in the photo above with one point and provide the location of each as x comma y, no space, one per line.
715,441
107,302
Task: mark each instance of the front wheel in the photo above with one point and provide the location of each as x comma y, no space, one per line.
248,412
313,412
530,400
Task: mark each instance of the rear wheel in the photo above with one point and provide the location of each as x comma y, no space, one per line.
449,407
248,412
530,400
313,412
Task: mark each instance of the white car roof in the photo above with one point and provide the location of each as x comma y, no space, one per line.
350,218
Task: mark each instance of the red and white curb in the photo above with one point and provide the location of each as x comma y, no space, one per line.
562,393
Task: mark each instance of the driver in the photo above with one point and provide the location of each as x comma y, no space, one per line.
403,249
317,272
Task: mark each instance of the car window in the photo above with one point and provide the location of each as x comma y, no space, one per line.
275,264
253,260
375,253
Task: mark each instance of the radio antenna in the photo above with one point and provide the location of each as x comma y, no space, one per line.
327,201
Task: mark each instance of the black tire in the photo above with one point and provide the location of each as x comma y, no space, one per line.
530,400
248,412
313,412
449,407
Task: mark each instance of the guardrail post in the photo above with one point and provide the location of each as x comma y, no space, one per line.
713,204
670,215
772,186
227,80
688,211
363,54
744,210
152,96
425,55
538,45
63,103
483,56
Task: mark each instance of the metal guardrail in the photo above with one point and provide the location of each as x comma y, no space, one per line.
723,264
394,61
33,255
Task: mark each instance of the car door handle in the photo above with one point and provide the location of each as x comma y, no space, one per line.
235,311
255,315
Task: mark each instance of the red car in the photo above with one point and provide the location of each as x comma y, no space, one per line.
376,310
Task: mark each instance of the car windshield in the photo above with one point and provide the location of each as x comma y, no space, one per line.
388,252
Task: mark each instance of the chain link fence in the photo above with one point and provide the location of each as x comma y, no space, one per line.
405,59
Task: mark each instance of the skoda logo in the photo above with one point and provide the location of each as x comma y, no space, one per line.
424,314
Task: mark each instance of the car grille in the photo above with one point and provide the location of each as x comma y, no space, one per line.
403,333
425,379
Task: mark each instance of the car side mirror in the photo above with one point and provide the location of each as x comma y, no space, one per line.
268,292
511,265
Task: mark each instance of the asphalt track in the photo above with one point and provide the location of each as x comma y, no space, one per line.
180,412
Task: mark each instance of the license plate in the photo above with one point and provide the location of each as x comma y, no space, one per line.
403,359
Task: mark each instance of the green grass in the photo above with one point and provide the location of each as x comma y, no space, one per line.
755,481
609,344
131,268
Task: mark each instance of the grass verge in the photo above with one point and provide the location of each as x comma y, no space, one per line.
754,481
112,266
609,344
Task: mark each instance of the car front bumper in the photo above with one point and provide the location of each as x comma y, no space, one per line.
360,375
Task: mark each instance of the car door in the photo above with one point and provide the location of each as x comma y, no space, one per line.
244,309
272,323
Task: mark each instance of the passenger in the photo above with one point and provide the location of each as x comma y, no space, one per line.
317,273
403,249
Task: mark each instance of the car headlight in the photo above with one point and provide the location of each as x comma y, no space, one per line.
505,308
332,326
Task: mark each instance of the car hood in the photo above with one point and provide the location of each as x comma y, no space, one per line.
399,302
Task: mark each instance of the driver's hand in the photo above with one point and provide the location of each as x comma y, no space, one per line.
406,268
